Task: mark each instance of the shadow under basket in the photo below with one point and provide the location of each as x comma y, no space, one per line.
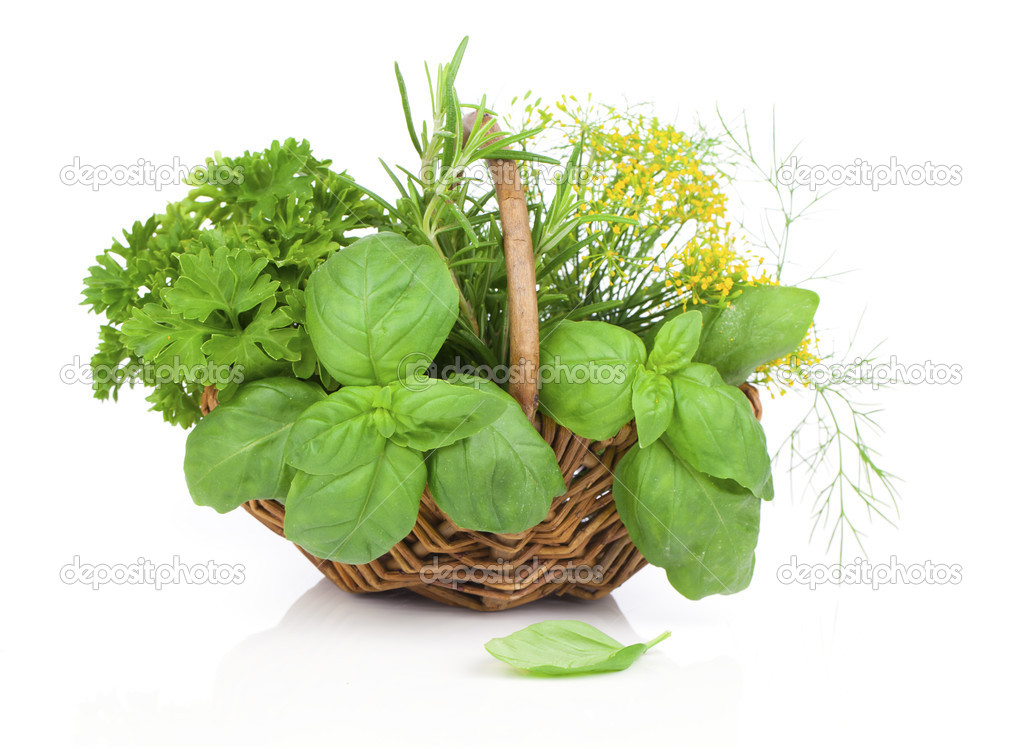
581,549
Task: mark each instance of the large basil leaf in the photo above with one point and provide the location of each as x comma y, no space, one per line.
701,529
501,479
375,303
586,375
652,402
358,516
675,343
236,453
762,324
557,647
713,428
431,413
337,434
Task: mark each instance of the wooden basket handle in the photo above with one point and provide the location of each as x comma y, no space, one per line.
524,319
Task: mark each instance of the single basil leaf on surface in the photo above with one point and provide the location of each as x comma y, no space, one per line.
236,453
586,375
358,516
714,429
336,435
559,647
762,324
431,413
703,530
501,479
376,302
676,343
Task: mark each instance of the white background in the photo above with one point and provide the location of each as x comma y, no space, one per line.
285,656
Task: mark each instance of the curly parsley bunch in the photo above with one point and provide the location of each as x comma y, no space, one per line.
213,290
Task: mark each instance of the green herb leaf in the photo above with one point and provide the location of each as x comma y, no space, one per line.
228,280
376,302
501,479
259,350
559,647
336,435
714,429
358,516
216,264
587,371
304,364
701,529
764,323
676,343
652,403
109,287
162,337
236,453
431,413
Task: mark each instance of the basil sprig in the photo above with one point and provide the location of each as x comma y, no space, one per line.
689,493
351,466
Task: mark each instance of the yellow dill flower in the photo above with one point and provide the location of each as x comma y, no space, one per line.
661,179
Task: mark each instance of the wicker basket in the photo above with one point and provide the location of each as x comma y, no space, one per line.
580,549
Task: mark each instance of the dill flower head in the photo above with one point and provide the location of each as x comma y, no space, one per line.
667,187
653,215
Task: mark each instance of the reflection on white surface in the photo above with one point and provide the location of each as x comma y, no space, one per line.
395,665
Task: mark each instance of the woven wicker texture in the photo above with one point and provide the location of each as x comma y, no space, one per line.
581,549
